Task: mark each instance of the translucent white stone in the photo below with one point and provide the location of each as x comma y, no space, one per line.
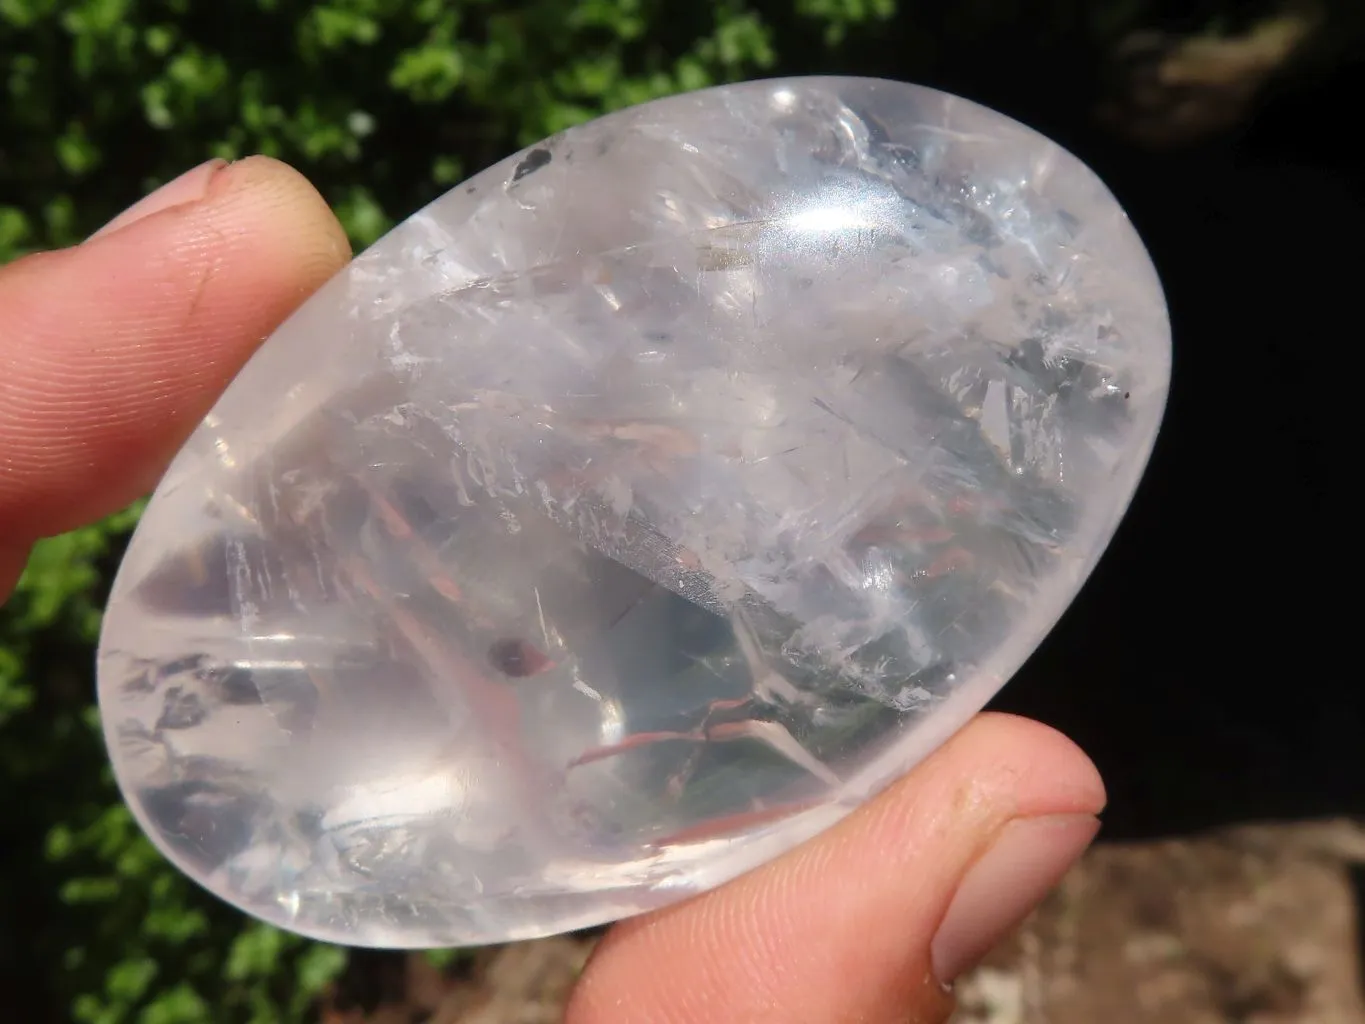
632,513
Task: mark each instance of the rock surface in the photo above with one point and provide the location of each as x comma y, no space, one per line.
1256,924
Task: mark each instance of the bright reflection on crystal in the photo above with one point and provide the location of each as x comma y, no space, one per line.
632,513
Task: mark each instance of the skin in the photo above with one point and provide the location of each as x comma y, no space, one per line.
111,352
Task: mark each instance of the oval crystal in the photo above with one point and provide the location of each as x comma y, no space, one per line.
632,512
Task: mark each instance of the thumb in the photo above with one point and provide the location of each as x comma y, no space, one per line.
871,921
111,351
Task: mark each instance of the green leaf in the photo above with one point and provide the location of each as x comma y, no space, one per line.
362,217
428,73
128,981
255,952
180,1004
90,890
319,966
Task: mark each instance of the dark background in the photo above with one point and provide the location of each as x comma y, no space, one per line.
1210,666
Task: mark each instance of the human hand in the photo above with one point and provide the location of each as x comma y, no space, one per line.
110,354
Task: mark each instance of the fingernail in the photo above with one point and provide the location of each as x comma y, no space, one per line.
1000,890
191,185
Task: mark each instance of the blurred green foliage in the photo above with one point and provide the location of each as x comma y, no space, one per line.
384,104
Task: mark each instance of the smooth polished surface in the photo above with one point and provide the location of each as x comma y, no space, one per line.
632,513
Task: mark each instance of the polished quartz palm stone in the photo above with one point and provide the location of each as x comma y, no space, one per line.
632,512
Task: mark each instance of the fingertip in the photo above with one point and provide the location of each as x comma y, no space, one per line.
258,199
1056,775
187,188
112,351
260,193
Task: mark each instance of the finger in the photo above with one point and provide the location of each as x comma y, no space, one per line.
864,922
112,351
